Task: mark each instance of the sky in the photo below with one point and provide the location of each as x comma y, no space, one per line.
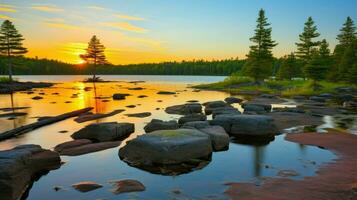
147,31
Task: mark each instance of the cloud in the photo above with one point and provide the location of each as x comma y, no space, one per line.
59,23
47,8
124,26
96,7
157,45
127,17
7,8
4,17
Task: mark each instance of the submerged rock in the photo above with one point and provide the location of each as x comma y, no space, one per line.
157,124
103,132
37,97
86,186
161,151
284,120
246,125
127,185
184,109
21,165
287,173
139,115
120,96
166,92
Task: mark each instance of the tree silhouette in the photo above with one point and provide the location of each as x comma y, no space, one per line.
10,43
260,57
94,55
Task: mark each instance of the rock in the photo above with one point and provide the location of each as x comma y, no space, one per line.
287,173
318,99
345,97
192,118
90,116
157,124
327,95
74,148
268,96
166,147
196,90
127,185
63,131
142,96
12,114
166,92
192,101
37,98
299,98
139,115
120,96
246,125
215,104
104,132
196,125
231,100
184,109
130,106
23,164
225,110
86,186
218,136
284,120
251,108
254,106
136,88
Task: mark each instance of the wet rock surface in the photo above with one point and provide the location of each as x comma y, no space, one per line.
86,186
231,100
103,132
192,118
284,120
164,151
157,124
127,185
83,146
7,88
120,96
184,109
21,165
139,115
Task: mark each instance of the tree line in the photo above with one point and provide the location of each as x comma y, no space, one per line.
313,58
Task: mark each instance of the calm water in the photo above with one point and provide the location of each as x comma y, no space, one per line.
241,163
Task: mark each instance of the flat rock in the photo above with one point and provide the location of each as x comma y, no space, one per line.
12,114
86,186
103,132
231,100
127,185
184,109
284,120
192,118
120,96
166,92
87,148
157,124
90,116
21,165
139,115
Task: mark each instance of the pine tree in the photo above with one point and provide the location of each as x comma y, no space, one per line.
260,57
307,45
10,43
347,33
318,65
289,68
94,55
348,62
346,38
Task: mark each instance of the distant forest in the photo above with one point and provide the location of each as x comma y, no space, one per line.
33,66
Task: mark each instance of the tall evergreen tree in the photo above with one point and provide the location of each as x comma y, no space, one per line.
94,55
307,44
348,63
10,43
347,33
260,57
289,68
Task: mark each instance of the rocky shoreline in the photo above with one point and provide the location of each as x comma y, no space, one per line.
8,88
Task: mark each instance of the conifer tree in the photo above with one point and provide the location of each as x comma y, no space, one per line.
347,33
10,44
347,66
289,68
260,57
94,55
307,44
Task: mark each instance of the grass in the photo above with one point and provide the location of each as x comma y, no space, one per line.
5,79
285,88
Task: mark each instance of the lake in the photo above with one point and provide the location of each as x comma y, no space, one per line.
241,163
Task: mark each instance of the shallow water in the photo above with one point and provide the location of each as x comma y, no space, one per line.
241,163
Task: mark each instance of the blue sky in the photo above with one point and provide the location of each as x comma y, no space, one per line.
137,31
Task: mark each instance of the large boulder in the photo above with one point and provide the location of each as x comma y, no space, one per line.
103,132
120,96
218,136
192,118
184,109
157,124
225,110
196,124
252,108
166,147
22,164
246,125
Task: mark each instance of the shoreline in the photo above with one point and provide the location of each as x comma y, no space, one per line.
335,180
8,88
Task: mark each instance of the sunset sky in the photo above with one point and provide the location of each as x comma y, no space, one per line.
137,31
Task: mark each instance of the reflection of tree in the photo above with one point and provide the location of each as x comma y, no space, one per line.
258,159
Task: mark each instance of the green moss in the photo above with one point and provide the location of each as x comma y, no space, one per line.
170,133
